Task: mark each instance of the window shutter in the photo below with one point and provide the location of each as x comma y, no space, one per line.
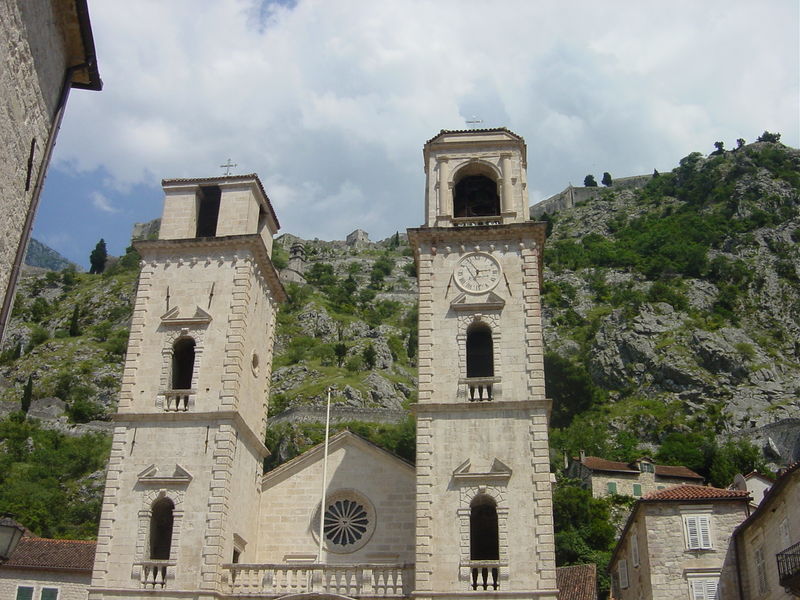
704,526
711,589
692,533
637,489
24,593
635,549
612,487
49,593
783,529
623,574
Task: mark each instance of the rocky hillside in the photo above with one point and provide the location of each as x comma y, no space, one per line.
44,257
672,317
675,309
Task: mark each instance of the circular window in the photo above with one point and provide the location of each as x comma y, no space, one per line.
348,523
254,363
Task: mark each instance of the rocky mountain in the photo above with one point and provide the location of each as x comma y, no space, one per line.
672,320
44,257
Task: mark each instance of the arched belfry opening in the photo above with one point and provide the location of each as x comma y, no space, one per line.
484,541
161,522
182,363
475,195
480,352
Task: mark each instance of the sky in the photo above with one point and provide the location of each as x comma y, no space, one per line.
331,101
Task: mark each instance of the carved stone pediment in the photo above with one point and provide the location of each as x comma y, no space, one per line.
498,472
151,475
488,301
173,317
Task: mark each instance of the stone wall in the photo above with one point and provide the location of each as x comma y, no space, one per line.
30,85
572,196
310,414
70,586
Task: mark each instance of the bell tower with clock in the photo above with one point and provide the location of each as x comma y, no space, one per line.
484,523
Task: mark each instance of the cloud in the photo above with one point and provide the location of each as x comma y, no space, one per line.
331,102
100,202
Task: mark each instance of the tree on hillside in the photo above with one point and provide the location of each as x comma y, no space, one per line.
720,148
656,173
98,258
607,181
27,395
769,137
74,327
739,143
369,355
589,181
340,350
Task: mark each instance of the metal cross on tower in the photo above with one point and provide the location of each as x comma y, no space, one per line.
228,166
474,121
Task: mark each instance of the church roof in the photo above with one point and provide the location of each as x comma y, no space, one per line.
52,555
578,582
488,130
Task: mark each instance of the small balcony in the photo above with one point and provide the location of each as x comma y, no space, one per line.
355,581
477,221
154,574
484,575
177,400
478,389
789,568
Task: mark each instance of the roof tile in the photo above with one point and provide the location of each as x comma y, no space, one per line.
596,463
696,492
578,582
44,553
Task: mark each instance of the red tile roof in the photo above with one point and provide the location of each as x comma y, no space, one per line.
596,463
60,555
696,492
578,582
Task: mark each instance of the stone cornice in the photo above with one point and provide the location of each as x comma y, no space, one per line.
520,405
251,242
250,437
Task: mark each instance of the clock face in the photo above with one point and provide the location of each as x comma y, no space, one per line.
477,273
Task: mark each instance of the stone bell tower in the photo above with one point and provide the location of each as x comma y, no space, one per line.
484,506
184,476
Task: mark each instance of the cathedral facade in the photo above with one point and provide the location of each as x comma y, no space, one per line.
188,512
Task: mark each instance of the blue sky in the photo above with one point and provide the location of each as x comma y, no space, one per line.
330,102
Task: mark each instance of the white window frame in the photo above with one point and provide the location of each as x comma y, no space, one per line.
634,547
703,588
622,570
697,530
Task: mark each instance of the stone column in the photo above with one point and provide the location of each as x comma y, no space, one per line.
508,189
445,195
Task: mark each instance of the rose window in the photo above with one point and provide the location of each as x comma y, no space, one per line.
346,521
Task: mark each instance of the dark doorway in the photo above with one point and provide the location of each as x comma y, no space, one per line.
476,196
161,522
480,359
208,210
182,364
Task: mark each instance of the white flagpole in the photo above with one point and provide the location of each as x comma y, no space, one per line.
324,477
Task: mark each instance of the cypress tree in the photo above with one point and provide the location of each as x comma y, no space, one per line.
27,395
74,328
98,258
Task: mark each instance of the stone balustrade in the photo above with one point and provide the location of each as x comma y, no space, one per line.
478,389
484,574
178,400
361,581
153,574
477,221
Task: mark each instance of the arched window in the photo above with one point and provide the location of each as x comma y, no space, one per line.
161,521
480,359
208,200
476,196
182,363
484,540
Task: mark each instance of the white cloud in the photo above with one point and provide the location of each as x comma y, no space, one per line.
330,102
100,202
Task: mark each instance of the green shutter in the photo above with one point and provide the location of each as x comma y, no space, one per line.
612,487
49,593
24,593
637,489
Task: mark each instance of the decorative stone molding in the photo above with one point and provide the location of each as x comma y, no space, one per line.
148,498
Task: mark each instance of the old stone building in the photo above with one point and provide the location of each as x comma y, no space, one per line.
677,543
47,49
637,478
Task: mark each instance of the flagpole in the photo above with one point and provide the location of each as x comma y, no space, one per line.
324,477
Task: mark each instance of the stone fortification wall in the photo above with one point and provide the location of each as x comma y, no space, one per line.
572,195
311,414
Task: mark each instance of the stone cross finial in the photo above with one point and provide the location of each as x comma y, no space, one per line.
228,166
